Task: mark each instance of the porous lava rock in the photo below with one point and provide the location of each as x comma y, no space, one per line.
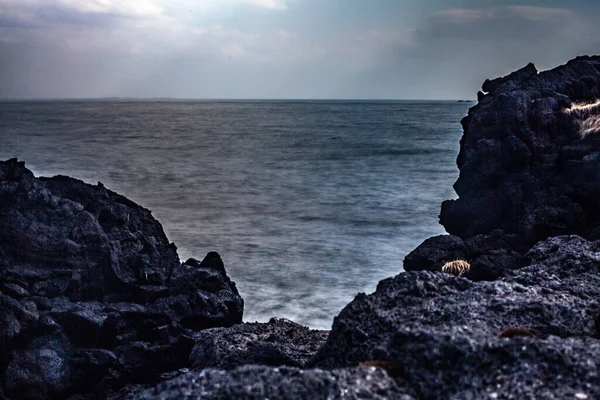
92,294
277,342
490,255
527,166
286,383
442,331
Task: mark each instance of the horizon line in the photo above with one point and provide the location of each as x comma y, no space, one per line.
166,98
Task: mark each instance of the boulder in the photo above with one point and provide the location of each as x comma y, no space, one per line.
93,297
490,255
527,167
62,236
210,296
278,342
261,382
443,331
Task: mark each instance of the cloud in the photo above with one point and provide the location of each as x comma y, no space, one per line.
501,23
453,51
47,13
263,48
271,4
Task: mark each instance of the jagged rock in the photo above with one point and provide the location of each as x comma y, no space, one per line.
443,330
212,298
278,342
61,236
93,296
285,383
525,166
529,71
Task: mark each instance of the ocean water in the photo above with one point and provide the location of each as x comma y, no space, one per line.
307,202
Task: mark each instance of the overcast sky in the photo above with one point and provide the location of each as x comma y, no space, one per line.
399,49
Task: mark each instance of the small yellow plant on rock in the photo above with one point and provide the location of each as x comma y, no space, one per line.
587,115
456,267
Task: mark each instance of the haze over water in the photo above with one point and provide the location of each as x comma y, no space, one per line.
307,202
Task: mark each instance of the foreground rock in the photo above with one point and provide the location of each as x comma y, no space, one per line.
92,294
278,342
529,156
443,331
260,382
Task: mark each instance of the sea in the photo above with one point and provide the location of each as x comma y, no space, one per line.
307,202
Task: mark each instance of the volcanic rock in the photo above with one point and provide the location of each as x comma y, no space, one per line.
92,294
261,382
527,167
443,331
278,342
490,255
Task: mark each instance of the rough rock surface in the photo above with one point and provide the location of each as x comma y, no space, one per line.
490,255
278,342
92,294
524,166
261,382
443,331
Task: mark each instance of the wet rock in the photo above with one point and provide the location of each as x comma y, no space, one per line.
443,330
278,342
525,166
261,382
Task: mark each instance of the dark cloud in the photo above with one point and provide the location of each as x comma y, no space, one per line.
454,51
507,23
448,54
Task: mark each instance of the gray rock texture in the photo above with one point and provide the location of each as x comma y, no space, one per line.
92,294
285,383
490,255
278,342
443,331
526,166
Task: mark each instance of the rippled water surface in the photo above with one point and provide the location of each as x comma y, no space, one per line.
308,203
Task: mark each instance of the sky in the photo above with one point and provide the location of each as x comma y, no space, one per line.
282,49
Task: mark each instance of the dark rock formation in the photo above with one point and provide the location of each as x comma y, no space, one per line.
527,167
278,342
443,331
92,294
260,382
490,255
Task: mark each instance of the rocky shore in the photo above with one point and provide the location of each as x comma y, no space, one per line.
95,303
